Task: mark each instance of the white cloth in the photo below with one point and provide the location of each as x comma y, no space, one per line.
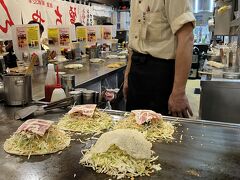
154,24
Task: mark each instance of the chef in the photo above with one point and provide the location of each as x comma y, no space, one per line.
161,43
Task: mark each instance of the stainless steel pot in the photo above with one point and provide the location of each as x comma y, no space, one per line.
17,89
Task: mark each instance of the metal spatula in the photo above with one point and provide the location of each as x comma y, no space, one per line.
26,112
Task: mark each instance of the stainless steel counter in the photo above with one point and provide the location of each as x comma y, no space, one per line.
201,150
220,100
89,74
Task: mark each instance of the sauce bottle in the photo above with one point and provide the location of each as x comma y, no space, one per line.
50,82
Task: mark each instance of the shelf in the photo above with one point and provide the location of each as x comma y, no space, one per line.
235,22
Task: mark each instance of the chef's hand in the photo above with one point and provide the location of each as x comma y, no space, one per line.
178,105
125,88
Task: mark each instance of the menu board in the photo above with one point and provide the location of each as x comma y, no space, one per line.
64,34
107,32
21,33
81,34
91,34
26,37
53,37
59,37
26,40
33,37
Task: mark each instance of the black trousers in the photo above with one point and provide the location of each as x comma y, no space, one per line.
150,83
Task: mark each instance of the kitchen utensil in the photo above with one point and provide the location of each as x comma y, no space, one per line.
24,113
31,65
17,89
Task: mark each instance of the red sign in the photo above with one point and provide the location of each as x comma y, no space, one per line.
59,16
8,21
72,14
37,16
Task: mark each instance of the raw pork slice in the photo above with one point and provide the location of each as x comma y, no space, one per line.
84,110
37,126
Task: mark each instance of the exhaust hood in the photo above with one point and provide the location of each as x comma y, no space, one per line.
202,5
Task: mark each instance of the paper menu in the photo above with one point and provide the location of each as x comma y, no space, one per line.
53,36
107,32
21,38
64,34
59,37
91,34
27,37
81,34
33,37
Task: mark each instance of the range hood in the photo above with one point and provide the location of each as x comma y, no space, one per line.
203,5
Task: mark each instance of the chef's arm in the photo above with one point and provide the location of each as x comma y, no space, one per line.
125,85
128,63
183,57
178,102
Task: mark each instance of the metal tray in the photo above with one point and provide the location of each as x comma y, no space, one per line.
201,150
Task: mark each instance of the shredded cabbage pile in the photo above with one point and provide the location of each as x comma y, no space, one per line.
27,143
153,131
86,125
118,163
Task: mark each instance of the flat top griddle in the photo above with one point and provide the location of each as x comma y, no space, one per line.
201,150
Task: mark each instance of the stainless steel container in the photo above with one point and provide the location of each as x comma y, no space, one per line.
2,65
77,95
2,96
17,89
93,52
88,97
68,83
96,97
76,50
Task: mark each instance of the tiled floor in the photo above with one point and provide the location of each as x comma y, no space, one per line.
194,99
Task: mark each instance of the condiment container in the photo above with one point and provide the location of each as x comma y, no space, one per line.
68,83
50,82
88,97
58,92
77,96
